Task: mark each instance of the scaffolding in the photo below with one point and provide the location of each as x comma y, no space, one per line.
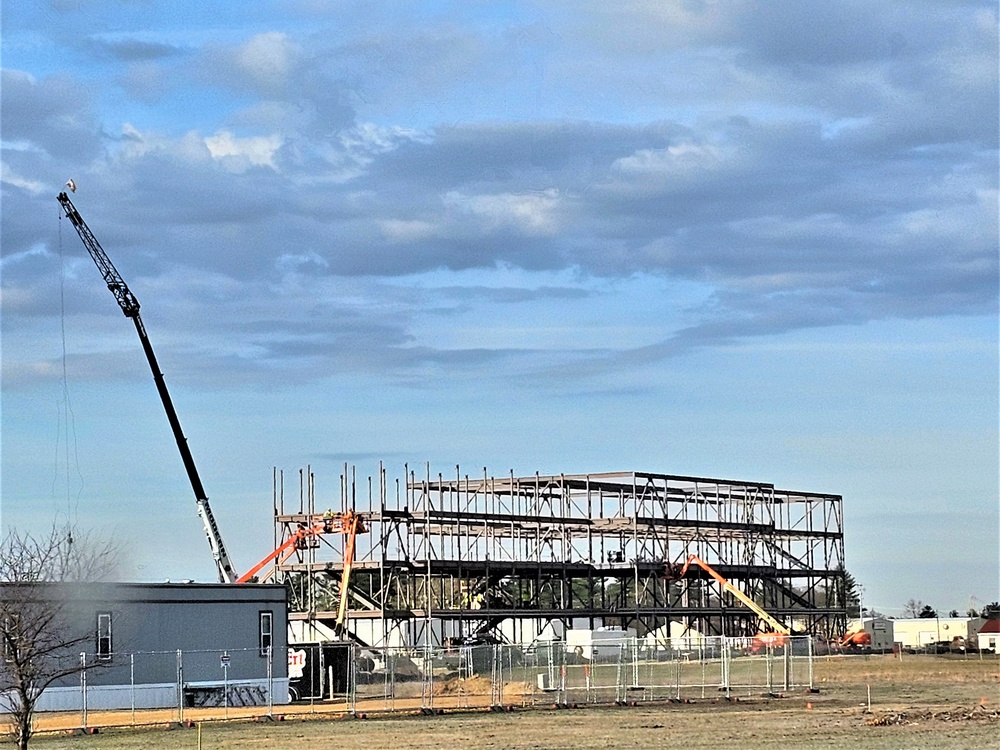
494,559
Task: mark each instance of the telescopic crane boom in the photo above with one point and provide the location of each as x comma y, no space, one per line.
130,306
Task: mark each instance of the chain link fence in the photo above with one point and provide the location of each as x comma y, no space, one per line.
153,687
554,673
156,686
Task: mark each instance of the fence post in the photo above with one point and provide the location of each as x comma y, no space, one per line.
180,685
83,688
633,647
563,698
427,676
225,682
726,666
270,683
810,652
391,676
702,658
352,678
496,676
788,662
678,669
131,683
621,691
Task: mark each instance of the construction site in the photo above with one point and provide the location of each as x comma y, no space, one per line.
507,559
430,561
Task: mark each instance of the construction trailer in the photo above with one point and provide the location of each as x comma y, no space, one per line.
878,631
524,559
154,645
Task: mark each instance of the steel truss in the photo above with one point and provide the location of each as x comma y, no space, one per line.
505,558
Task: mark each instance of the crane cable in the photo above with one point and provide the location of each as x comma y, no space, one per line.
66,408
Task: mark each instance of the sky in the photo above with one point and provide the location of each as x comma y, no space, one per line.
751,240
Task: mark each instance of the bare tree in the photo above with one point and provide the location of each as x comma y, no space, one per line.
913,608
37,641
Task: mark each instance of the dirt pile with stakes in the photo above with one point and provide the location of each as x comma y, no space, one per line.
980,713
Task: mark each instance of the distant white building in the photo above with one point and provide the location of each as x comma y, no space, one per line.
920,632
989,636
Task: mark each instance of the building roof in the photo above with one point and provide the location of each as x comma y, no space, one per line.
991,626
106,591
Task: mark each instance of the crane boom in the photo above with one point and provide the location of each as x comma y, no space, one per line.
130,307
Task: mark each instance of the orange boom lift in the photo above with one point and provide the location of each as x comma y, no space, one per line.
350,523
762,640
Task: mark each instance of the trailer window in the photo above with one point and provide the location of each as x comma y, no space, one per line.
265,632
104,648
11,636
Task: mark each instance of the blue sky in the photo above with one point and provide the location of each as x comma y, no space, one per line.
745,240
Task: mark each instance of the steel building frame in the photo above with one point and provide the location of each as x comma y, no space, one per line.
503,558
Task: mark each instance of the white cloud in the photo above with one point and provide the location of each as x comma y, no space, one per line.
684,158
838,126
241,153
293,263
398,230
533,213
268,58
10,177
375,139
35,251
191,147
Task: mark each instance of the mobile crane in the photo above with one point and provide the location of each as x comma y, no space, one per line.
762,640
130,307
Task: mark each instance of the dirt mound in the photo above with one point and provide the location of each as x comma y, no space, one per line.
464,686
513,692
979,713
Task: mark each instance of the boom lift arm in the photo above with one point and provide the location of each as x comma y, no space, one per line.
727,586
351,524
130,306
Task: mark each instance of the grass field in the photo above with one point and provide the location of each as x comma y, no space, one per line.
920,702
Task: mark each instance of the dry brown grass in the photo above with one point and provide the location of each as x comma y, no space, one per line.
919,702
910,669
